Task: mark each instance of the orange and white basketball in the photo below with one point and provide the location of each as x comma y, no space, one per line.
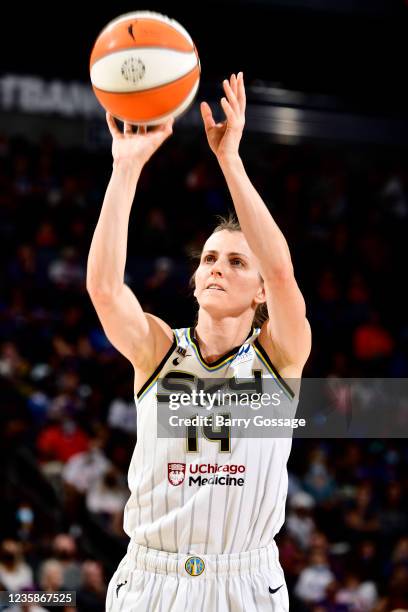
144,68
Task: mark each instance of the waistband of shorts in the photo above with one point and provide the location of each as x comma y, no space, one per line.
197,564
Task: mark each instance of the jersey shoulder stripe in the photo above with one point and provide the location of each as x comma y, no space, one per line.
153,377
263,356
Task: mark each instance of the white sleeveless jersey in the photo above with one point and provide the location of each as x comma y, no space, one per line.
199,499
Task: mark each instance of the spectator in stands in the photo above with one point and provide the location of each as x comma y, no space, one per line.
362,519
122,413
107,497
60,441
397,597
300,523
66,271
12,364
64,550
400,553
84,468
318,480
367,560
393,515
92,592
15,574
373,344
357,595
314,579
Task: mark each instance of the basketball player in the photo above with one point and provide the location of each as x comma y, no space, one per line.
202,514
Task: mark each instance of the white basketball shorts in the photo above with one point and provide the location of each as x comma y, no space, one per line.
149,580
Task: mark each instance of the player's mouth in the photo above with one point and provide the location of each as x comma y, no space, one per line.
214,287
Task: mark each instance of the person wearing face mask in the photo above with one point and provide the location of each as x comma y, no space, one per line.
64,550
15,574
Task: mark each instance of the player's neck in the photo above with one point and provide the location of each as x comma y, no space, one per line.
218,336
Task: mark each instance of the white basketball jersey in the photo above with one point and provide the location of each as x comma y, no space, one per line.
194,495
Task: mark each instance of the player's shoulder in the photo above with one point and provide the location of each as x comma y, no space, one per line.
272,352
157,324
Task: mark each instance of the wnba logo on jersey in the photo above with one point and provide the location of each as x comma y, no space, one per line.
194,566
176,473
245,354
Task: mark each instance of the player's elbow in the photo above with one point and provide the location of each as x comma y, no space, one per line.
102,286
100,293
280,274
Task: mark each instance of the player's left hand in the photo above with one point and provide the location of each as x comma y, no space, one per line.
224,137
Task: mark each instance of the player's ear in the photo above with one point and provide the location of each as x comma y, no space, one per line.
260,297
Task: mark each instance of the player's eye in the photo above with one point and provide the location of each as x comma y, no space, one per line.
236,262
209,258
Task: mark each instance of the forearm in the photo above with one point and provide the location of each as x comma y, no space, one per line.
107,255
260,230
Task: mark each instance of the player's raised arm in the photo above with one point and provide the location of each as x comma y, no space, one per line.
287,326
130,330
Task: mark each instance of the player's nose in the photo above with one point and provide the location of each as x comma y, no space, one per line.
216,269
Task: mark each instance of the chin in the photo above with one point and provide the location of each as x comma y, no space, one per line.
214,307
211,293
214,297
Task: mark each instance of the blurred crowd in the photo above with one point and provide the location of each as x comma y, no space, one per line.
68,421
345,541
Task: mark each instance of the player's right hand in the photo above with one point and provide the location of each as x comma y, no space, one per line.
137,147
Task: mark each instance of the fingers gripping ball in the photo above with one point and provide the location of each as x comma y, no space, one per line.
144,68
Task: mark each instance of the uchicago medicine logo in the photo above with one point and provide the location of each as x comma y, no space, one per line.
200,474
176,473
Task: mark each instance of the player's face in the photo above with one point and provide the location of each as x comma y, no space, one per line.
227,281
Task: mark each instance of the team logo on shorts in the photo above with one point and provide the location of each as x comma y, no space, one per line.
176,473
194,566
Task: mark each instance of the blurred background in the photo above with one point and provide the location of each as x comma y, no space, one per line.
326,145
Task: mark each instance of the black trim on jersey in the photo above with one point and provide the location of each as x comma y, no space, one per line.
159,367
274,370
230,353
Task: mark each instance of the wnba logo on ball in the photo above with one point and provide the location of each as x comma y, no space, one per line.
133,69
176,473
194,566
